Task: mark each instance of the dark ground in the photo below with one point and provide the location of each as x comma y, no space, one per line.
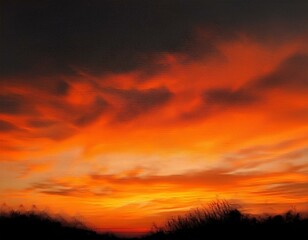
218,221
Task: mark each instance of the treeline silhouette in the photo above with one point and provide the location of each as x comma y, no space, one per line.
219,220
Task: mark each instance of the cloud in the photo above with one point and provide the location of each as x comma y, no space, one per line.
268,159
288,190
291,75
35,168
40,123
79,114
6,126
135,102
13,104
223,97
103,185
61,88
207,181
53,87
54,132
44,37
49,114
91,113
57,189
219,100
54,187
216,179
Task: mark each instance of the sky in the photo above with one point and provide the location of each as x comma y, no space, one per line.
125,112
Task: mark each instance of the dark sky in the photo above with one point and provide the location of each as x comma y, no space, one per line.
47,37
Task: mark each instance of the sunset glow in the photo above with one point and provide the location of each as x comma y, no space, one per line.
225,118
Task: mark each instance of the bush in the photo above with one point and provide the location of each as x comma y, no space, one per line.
221,219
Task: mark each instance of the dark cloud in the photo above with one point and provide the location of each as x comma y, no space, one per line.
56,132
91,113
224,97
218,100
55,87
40,123
13,104
52,86
47,37
6,126
77,114
62,88
292,74
136,102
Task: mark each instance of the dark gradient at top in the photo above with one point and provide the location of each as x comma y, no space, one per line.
43,37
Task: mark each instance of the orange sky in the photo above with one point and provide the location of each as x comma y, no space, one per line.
121,146
142,147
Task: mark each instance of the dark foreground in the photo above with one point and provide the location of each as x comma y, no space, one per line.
218,221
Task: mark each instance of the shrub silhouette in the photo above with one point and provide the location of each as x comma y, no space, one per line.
219,220
15,224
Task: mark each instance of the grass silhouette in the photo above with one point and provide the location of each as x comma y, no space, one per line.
223,221
219,220
34,225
